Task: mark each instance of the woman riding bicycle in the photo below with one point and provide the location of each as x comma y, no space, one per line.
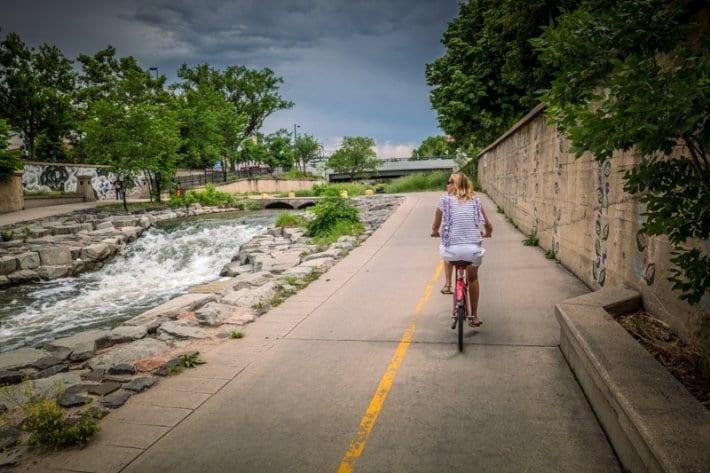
460,214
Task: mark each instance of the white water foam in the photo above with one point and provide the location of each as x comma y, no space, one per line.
155,268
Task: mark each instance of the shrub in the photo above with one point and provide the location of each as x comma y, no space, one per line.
329,213
210,196
334,190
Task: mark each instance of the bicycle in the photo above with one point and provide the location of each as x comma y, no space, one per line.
462,304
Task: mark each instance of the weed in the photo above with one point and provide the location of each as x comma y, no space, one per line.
26,232
7,236
190,360
236,334
309,278
531,240
276,300
44,420
290,220
499,209
550,254
258,306
290,280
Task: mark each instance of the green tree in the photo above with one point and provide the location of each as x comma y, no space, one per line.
487,79
434,147
9,163
36,88
125,122
280,151
355,156
307,148
633,74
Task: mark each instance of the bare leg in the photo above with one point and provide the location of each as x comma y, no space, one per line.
473,289
448,271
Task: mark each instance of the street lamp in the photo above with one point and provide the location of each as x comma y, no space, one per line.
294,134
154,69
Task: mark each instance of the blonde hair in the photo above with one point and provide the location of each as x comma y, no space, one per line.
463,187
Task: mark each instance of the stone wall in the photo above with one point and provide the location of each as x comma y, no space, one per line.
46,177
578,208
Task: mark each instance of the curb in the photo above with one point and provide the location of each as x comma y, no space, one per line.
653,423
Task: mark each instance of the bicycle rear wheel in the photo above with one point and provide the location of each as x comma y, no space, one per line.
461,320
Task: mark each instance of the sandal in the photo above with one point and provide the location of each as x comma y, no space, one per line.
446,289
474,321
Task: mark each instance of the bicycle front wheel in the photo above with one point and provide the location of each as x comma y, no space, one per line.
461,320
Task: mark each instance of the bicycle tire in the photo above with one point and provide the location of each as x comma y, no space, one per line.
461,319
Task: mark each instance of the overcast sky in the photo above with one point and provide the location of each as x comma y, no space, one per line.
353,68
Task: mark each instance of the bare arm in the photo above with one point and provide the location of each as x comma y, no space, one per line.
487,225
437,223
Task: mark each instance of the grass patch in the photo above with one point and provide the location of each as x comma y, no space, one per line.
499,209
236,334
290,220
334,190
419,183
550,254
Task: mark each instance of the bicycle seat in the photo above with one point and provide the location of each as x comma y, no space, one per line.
460,263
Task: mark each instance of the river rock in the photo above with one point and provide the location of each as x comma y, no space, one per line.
55,256
72,400
122,369
123,334
96,252
116,399
103,388
7,264
10,377
235,269
140,384
213,313
104,225
82,346
248,280
29,260
173,308
251,297
21,358
54,272
320,264
182,329
128,353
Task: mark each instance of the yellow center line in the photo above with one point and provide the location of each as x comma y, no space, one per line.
357,444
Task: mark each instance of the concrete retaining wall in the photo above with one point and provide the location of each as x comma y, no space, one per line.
265,185
11,194
578,208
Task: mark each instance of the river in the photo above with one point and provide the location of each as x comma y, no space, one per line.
168,260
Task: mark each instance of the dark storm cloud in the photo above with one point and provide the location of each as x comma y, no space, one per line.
351,67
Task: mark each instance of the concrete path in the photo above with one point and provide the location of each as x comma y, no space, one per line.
360,372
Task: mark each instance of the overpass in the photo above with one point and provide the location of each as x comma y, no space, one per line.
288,202
398,167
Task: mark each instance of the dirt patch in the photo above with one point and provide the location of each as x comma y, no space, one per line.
684,362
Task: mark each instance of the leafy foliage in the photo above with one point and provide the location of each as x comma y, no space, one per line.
620,86
355,156
434,147
307,148
487,79
191,360
9,163
36,88
290,220
210,196
333,213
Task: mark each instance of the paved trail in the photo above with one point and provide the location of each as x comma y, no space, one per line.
360,372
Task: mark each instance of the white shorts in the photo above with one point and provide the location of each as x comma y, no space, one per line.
472,252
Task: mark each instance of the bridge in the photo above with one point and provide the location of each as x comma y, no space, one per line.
288,202
398,167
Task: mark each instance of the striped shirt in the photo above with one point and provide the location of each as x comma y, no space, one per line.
461,220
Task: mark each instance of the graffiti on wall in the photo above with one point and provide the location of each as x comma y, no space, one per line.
643,268
52,177
601,224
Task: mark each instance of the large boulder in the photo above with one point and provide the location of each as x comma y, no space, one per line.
29,260
129,353
173,308
55,256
